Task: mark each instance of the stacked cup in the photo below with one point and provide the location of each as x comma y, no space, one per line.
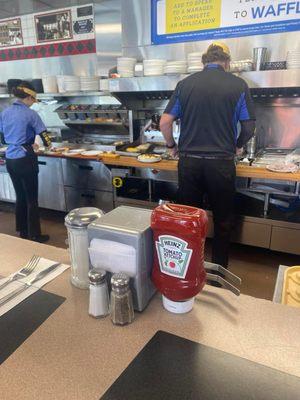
195,62
126,67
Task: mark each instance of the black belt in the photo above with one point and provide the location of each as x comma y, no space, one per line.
205,157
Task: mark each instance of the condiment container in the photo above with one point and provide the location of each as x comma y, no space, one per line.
99,297
121,305
77,222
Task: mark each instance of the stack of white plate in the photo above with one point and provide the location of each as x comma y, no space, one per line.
50,84
126,67
71,83
3,89
154,67
89,83
194,62
293,59
175,67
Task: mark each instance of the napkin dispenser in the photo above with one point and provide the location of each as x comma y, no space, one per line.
121,241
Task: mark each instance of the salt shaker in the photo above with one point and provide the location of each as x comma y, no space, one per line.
121,305
99,297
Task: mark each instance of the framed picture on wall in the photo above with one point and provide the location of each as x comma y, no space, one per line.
11,33
54,26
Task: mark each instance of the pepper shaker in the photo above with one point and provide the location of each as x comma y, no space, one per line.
121,305
99,297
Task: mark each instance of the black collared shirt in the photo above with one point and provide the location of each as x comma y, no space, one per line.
210,104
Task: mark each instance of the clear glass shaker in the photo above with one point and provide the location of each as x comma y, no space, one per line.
99,296
121,305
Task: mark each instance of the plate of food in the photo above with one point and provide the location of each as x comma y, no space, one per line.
149,158
283,167
91,153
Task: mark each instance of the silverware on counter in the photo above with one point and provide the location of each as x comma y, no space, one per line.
27,270
28,284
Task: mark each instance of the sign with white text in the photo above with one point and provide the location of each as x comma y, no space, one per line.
176,21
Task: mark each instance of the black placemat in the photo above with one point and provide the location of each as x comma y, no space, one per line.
170,367
21,321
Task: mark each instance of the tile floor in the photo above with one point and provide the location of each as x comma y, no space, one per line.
257,267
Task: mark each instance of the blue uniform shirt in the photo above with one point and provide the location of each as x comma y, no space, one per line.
19,125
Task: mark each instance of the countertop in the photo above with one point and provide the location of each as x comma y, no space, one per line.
73,356
244,171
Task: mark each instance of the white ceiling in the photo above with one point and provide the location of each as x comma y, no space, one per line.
12,8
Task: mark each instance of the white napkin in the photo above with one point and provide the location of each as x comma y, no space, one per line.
42,265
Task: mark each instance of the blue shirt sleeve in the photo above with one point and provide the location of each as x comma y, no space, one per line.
1,124
37,124
174,105
245,106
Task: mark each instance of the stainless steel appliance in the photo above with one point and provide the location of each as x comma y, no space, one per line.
121,241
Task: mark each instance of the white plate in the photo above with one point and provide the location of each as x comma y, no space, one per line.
76,151
282,167
91,153
149,160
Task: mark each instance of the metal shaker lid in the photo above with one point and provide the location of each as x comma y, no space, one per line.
82,217
97,276
120,280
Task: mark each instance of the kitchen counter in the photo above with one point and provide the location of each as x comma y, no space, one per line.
244,171
73,356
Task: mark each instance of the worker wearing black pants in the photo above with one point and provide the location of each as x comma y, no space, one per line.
20,125
24,176
216,179
217,119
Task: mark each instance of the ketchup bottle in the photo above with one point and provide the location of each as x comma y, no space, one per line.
179,238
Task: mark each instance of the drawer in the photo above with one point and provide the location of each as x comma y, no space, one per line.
50,171
86,174
88,198
7,191
246,232
286,240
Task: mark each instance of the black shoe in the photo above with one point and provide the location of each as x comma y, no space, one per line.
23,235
41,238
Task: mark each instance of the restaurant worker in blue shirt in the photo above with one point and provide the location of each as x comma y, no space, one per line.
20,125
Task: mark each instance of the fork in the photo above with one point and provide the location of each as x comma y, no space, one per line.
27,270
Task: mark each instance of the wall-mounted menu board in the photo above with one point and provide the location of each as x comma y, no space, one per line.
53,26
187,20
11,33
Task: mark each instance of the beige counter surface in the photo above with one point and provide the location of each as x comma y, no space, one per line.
73,356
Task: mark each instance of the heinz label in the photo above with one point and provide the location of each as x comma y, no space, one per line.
174,256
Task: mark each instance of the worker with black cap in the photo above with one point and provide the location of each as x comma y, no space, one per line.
210,105
20,125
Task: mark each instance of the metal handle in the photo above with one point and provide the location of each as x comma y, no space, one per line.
6,283
42,163
13,294
216,267
225,284
88,196
88,168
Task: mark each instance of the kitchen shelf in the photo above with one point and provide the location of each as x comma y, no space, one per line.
72,94
91,122
255,79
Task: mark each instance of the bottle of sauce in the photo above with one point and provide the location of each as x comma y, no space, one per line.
179,239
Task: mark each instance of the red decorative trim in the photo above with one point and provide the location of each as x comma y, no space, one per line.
49,50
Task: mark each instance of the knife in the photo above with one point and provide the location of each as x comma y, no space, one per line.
28,284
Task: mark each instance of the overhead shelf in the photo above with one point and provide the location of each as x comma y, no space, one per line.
255,79
42,96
